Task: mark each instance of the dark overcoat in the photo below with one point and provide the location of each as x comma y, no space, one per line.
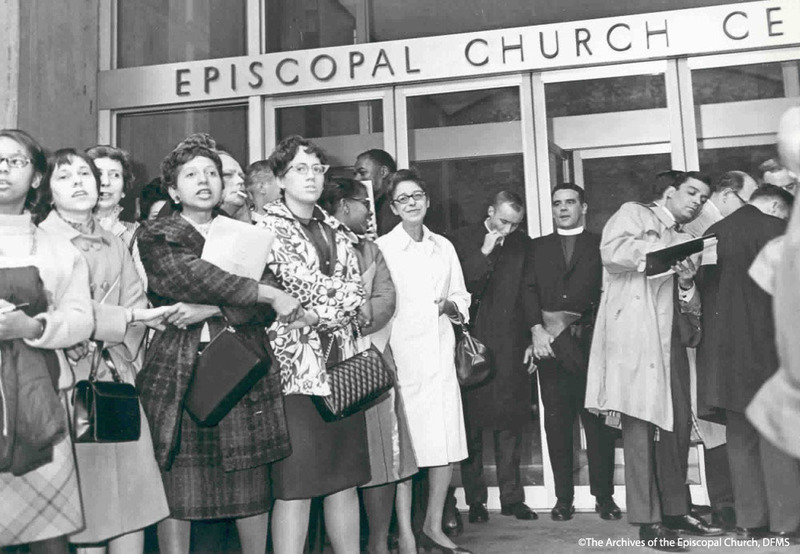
737,353
254,432
560,286
504,401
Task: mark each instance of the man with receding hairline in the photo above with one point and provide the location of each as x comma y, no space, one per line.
259,180
493,255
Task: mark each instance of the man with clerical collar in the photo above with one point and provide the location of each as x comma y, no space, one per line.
565,283
638,366
493,255
377,165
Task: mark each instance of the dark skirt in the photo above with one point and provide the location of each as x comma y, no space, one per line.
327,457
198,487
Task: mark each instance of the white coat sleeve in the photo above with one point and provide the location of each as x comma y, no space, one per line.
456,289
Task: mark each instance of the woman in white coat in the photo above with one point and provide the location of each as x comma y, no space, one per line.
430,293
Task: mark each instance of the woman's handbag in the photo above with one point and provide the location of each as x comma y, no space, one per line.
224,371
105,411
355,383
473,359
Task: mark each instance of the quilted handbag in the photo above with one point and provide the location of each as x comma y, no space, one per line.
105,411
355,383
473,359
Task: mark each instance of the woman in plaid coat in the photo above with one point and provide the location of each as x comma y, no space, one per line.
220,471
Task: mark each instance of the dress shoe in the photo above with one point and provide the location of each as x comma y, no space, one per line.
725,518
752,532
519,510
659,537
478,513
429,544
700,509
562,511
692,526
785,538
452,525
607,508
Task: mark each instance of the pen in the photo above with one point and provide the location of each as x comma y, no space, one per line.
13,308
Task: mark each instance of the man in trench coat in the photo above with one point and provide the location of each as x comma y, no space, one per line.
493,255
638,365
737,355
565,277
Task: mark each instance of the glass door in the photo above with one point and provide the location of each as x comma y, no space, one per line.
469,140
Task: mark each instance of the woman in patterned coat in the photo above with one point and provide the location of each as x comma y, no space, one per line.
220,471
313,258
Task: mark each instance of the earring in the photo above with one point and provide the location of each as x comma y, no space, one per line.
347,209
177,199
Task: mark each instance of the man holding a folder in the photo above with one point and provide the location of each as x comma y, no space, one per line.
638,365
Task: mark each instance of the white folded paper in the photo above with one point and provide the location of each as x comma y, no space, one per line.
238,247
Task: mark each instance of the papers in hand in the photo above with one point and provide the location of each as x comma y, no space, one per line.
659,262
238,247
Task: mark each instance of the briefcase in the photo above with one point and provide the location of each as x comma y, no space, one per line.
224,372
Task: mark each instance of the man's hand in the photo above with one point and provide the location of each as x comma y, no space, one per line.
686,270
490,242
529,360
541,343
186,314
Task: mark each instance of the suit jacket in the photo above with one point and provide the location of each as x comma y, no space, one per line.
500,279
737,354
556,285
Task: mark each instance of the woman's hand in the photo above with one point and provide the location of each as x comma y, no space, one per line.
18,325
364,315
447,307
78,351
308,319
287,307
186,314
154,317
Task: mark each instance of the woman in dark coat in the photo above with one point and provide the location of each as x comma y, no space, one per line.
220,471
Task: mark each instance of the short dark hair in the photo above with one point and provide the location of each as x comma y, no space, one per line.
380,157
570,186
38,160
733,180
151,193
405,175
774,192
508,197
183,153
287,149
675,178
337,189
116,154
60,157
256,172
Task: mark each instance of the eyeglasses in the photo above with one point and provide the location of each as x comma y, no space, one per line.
364,201
736,194
17,162
418,196
316,169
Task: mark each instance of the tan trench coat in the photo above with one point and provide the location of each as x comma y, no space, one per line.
629,363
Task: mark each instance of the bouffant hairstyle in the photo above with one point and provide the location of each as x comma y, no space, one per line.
183,153
281,158
405,175
119,155
60,157
338,189
38,160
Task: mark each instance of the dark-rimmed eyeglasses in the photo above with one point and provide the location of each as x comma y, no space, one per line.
363,201
418,196
316,169
16,161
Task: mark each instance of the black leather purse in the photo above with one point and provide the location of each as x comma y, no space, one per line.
356,383
105,411
473,359
224,372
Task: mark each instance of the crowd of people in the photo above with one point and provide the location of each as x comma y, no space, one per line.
352,267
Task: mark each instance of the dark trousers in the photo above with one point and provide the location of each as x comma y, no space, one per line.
508,456
718,477
563,394
655,472
766,480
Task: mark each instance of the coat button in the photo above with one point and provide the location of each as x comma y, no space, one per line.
563,296
85,247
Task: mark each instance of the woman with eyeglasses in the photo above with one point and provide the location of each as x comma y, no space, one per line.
48,279
430,295
118,514
391,455
313,257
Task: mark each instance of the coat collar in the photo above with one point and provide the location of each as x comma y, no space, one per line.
400,239
279,209
55,224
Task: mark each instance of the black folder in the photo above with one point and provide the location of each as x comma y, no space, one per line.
661,261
